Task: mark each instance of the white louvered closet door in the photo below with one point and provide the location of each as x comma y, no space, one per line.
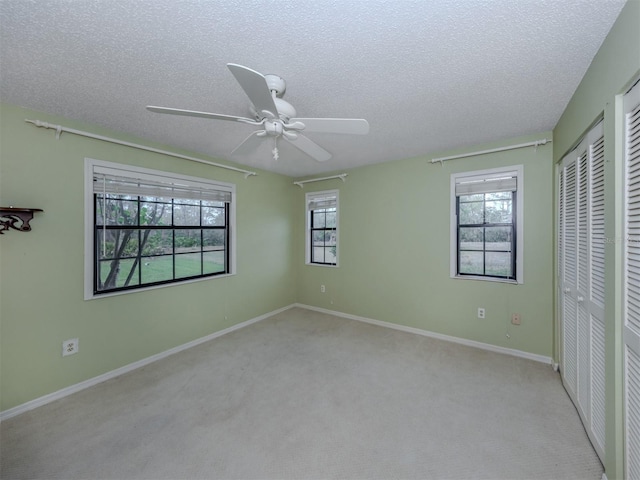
631,322
581,280
568,271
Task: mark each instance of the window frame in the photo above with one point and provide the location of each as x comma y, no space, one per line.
517,211
90,237
309,227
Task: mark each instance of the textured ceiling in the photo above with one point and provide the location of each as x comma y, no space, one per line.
428,75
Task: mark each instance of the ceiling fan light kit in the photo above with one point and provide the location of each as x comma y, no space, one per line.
277,117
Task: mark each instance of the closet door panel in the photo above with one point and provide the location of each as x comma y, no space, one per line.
631,320
581,273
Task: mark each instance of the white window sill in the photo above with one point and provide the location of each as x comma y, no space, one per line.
486,279
95,296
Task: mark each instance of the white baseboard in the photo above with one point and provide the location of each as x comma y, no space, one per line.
38,402
439,336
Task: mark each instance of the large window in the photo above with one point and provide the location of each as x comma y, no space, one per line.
151,228
486,224
322,228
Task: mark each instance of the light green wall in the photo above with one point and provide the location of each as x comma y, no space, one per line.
394,252
616,64
41,272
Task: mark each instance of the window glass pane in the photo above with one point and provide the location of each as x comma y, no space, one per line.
213,216
213,261
330,254
317,254
117,243
318,237
118,273
472,263
498,211
476,197
186,215
330,237
499,195
118,210
213,240
498,238
188,265
471,213
318,219
155,213
187,241
153,199
157,269
498,264
157,242
331,218
471,238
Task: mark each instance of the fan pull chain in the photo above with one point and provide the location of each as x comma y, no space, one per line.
275,149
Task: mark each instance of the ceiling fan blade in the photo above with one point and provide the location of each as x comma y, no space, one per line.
351,126
248,145
255,86
193,113
312,149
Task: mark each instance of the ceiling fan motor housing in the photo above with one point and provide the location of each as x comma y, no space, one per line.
273,128
285,110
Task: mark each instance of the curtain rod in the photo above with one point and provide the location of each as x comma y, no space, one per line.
544,141
302,182
59,129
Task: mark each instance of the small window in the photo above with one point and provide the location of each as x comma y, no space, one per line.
322,228
150,228
486,234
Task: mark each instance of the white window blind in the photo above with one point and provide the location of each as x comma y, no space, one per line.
112,181
489,184
316,202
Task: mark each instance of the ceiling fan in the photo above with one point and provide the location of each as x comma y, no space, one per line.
276,116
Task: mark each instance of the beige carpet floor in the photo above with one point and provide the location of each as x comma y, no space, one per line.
304,395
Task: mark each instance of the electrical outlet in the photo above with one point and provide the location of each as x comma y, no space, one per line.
515,318
69,347
322,289
480,312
